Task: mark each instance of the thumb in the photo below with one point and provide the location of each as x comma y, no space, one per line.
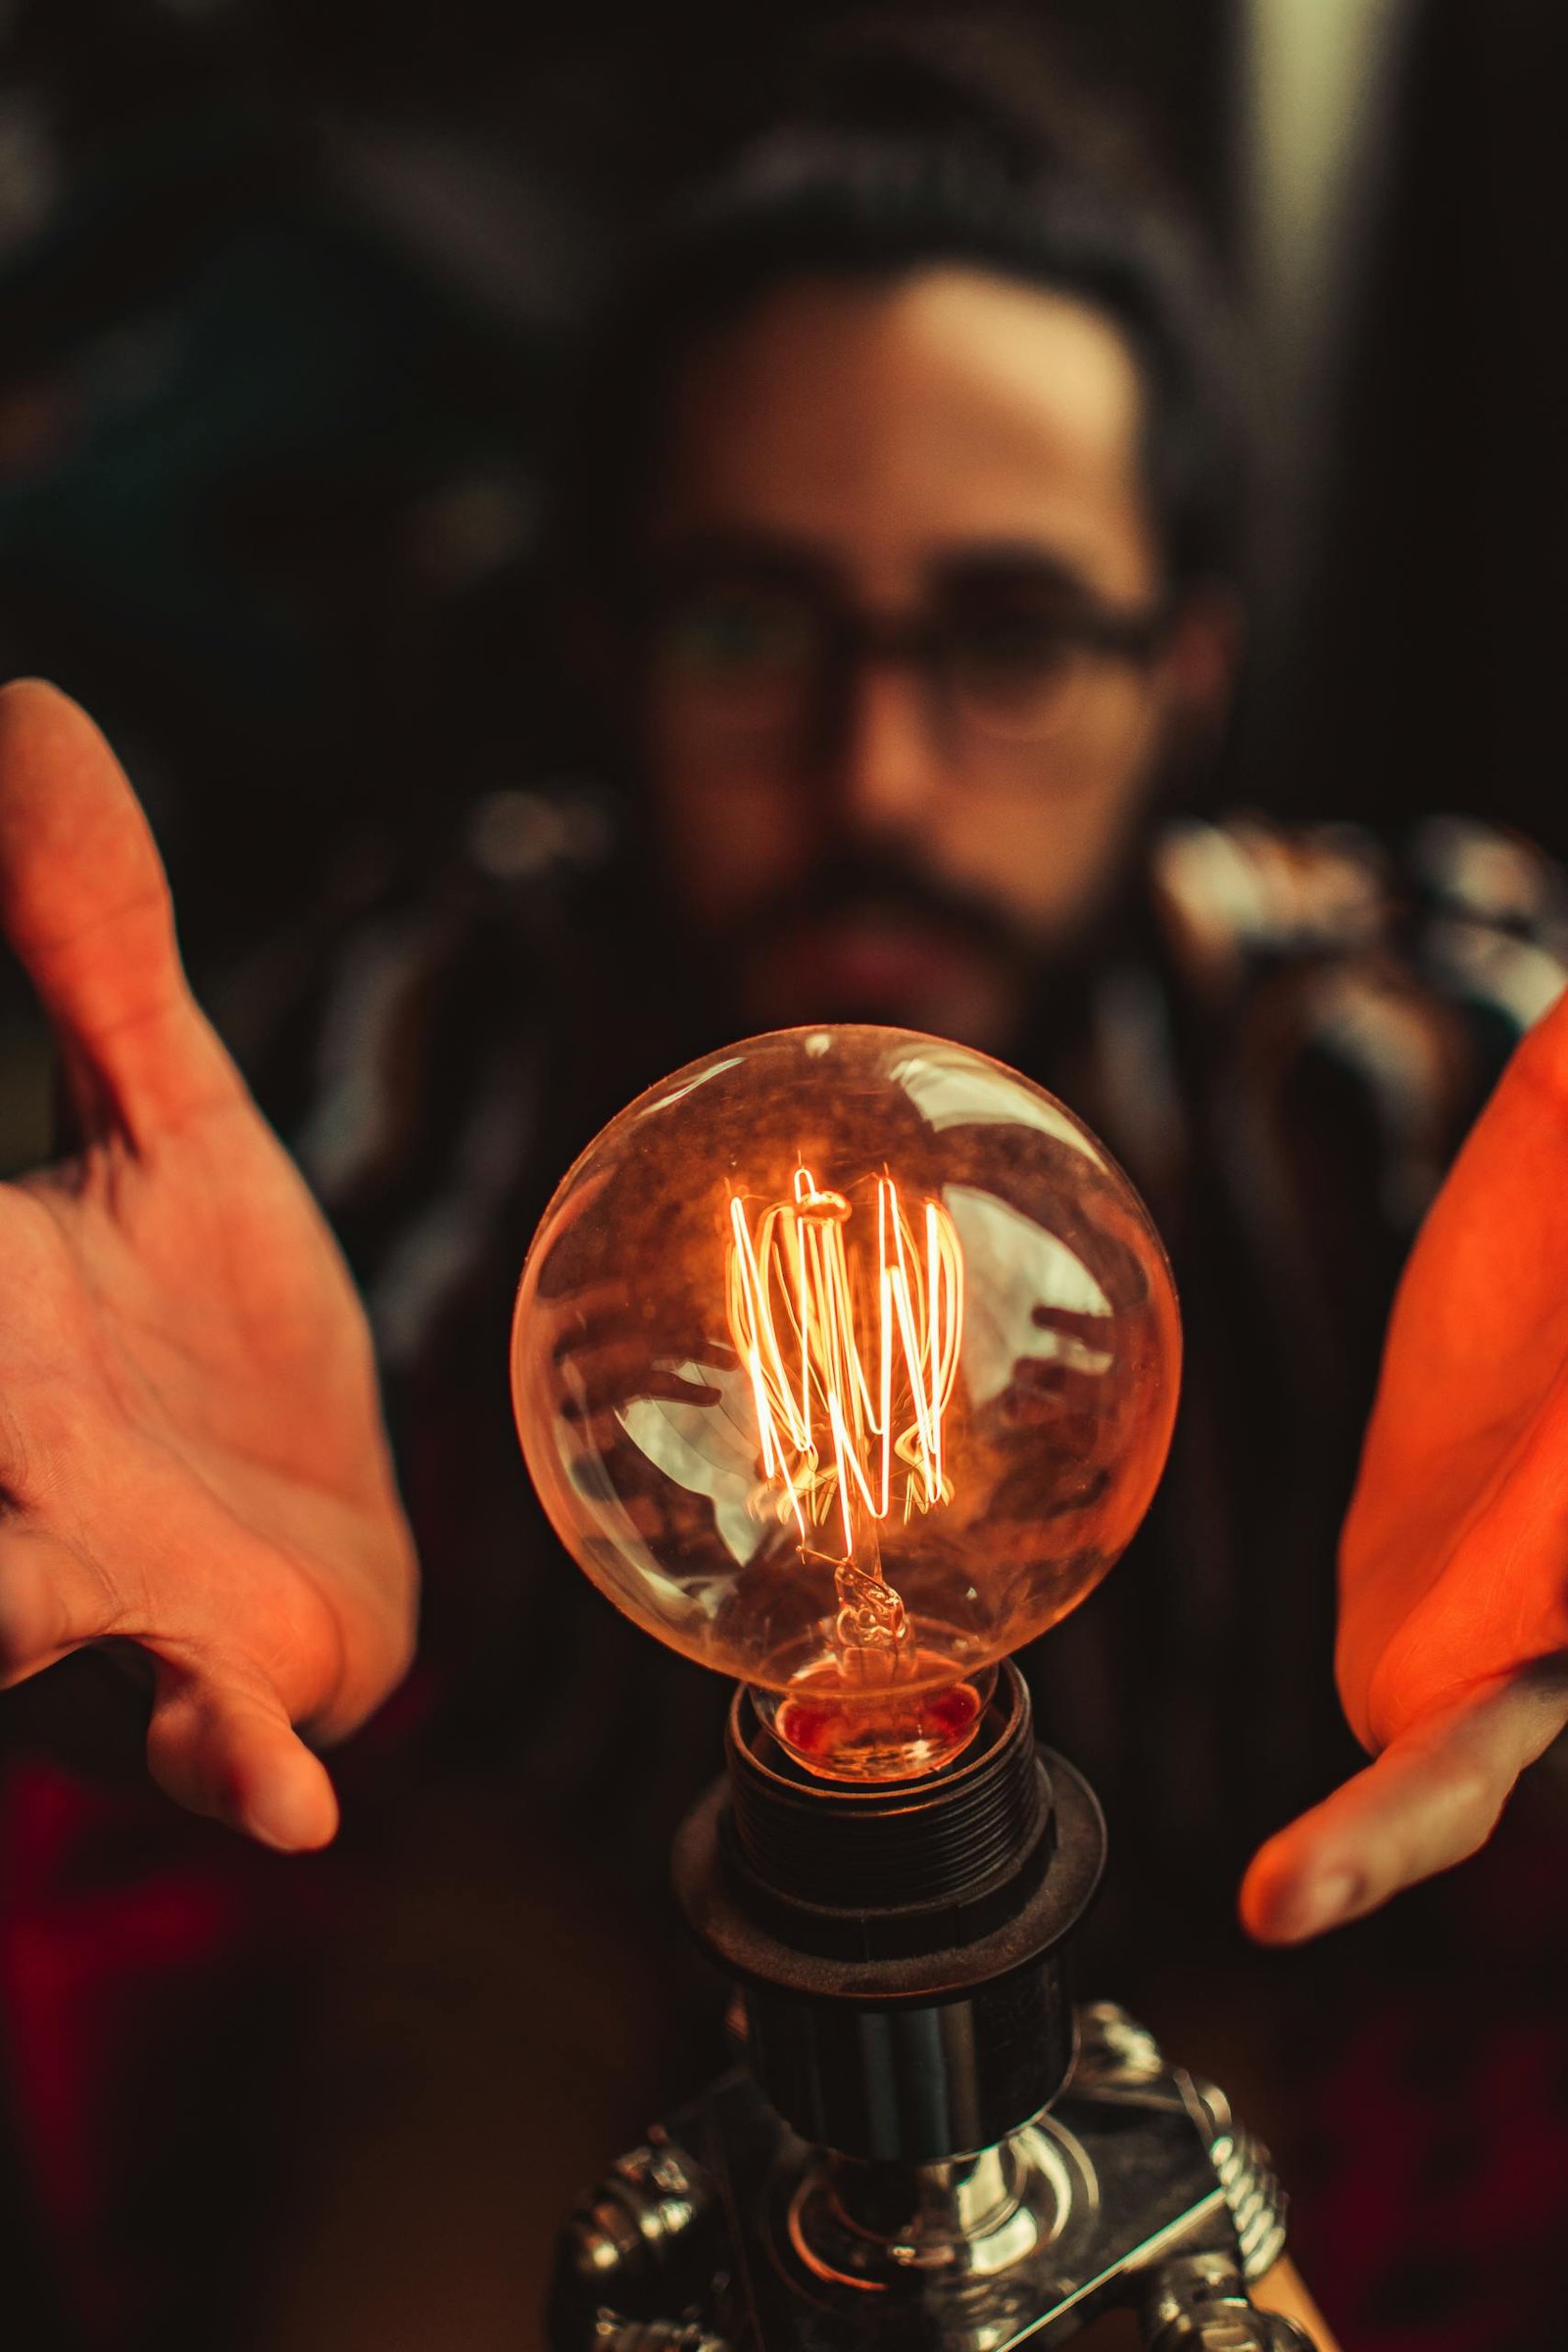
230,1751
1431,1798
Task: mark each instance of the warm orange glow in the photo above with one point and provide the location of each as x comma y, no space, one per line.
851,1372
844,1362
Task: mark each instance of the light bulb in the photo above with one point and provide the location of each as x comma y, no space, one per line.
844,1362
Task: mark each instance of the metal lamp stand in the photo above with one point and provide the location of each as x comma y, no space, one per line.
926,2147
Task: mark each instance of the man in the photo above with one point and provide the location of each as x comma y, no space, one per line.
910,594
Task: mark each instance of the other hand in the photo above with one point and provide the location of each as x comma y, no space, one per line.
1452,1656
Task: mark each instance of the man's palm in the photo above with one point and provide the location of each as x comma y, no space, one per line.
191,1453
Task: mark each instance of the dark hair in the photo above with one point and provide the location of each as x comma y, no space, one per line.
901,147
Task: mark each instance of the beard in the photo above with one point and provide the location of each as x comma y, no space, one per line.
865,937
872,938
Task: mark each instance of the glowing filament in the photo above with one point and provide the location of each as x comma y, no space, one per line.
851,1371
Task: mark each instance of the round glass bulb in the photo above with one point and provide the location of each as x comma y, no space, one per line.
845,1362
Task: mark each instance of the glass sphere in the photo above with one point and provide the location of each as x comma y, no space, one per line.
844,1362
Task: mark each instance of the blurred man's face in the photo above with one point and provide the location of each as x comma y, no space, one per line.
913,678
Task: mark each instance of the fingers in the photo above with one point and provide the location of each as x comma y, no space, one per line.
86,905
218,1747
231,1752
1451,1568
51,1602
1430,1799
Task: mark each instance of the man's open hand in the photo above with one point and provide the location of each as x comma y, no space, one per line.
1453,1570
192,1451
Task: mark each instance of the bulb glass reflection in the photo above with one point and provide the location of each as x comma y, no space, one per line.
844,1362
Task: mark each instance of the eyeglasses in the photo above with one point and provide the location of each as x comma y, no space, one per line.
1002,662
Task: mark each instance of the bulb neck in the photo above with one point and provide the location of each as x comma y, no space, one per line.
903,1947
884,1870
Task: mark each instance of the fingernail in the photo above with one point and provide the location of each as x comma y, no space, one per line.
290,1816
1322,1903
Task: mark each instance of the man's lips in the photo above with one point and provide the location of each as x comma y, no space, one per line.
877,960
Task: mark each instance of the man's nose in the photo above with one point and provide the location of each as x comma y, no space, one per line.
890,762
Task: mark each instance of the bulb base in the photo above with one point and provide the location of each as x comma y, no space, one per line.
901,1947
